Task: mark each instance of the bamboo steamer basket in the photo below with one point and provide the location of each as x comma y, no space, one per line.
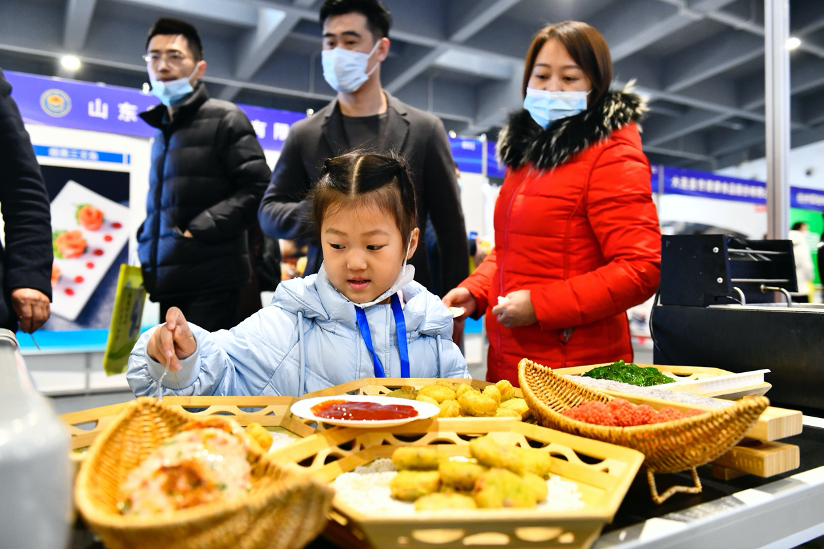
281,510
669,447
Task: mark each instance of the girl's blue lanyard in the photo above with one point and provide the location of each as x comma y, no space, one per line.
400,329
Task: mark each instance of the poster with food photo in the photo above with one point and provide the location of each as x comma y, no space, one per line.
89,238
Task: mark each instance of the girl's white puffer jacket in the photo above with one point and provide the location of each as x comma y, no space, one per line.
307,323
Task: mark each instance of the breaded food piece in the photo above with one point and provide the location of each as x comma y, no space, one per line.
537,484
476,404
410,485
500,488
492,454
516,404
493,392
438,393
460,476
446,384
416,457
536,461
404,392
427,399
449,409
445,501
506,389
260,435
213,421
463,387
501,411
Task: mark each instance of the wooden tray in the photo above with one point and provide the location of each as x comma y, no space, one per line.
684,373
603,473
382,386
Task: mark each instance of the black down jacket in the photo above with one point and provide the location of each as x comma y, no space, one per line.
208,176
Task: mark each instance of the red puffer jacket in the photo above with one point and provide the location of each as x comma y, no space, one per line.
574,224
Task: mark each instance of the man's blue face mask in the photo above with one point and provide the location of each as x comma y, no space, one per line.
546,106
172,92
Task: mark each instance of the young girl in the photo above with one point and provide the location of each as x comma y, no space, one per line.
338,325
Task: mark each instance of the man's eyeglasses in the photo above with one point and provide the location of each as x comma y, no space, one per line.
172,57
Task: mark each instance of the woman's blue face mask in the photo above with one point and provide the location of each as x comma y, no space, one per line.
546,106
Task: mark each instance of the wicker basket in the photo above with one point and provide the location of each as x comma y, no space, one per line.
669,447
281,510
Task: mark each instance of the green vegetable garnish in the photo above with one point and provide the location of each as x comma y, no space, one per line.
629,373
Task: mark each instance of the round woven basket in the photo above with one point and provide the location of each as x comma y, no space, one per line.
669,447
283,509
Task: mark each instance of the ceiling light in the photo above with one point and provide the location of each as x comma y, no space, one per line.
793,43
70,62
452,134
147,88
310,112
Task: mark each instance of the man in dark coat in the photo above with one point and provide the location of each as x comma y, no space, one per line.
364,116
208,175
26,261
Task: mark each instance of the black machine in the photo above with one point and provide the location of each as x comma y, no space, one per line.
724,302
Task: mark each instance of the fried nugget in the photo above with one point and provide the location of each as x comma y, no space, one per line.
409,485
537,484
492,454
446,384
493,392
438,393
500,488
260,435
458,475
516,404
506,389
445,501
403,393
416,457
463,388
427,399
536,461
449,409
501,411
476,404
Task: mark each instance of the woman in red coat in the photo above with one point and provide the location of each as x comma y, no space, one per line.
577,241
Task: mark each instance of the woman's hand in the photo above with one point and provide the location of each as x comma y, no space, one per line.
172,339
516,311
460,297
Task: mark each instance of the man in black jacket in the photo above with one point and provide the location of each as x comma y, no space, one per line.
26,262
364,116
208,175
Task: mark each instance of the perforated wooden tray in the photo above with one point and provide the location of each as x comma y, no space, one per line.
602,472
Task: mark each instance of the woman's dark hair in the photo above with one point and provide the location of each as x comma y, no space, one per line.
586,47
798,226
366,179
378,18
167,25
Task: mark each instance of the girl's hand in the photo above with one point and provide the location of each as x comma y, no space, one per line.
517,311
460,297
172,339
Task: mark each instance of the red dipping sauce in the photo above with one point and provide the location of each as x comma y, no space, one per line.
362,410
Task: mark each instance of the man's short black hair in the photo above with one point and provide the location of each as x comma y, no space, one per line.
378,18
167,25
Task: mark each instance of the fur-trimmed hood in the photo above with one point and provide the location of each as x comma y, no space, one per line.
522,141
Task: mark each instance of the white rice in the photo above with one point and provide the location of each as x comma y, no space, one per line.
653,391
280,439
366,489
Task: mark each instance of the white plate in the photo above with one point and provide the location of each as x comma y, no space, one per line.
303,409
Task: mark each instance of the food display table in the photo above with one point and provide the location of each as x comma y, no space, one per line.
747,512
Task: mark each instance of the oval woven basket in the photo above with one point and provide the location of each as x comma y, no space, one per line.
283,509
669,447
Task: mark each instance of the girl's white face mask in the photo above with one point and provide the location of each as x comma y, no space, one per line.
546,106
345,70
405,277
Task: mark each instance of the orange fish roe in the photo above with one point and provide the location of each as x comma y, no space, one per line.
620,412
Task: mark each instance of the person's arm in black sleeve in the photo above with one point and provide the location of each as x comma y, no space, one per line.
444,202
27,264
246,169
284,211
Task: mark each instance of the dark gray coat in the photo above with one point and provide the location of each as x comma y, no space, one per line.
419,137
26,261
208,175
